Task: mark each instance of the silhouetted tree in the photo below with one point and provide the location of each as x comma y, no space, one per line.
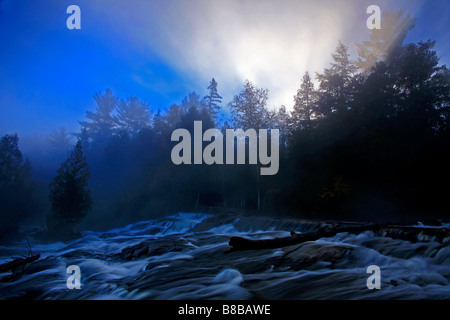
249,108
15,186
69,194
384,42
132,115
422,86
283,123
192,100
173,116
249,111
213,99
101,123
60,141
305,104
336,83
160,126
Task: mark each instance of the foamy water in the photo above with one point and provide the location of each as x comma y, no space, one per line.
188,257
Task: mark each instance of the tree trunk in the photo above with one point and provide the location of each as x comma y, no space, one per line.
258,187
398,232
18,262
223,189
197,200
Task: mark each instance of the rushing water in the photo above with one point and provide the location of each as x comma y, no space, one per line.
187,256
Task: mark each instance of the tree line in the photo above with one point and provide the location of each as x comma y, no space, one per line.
370,136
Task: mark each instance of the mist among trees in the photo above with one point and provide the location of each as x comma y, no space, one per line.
367,138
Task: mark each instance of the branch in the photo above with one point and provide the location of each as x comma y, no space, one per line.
17,263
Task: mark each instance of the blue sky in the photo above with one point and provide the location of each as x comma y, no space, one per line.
160,50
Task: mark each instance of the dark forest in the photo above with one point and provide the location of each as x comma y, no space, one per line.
368,141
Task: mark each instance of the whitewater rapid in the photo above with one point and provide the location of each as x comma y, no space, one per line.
187,256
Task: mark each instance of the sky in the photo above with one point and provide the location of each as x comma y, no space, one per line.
160,50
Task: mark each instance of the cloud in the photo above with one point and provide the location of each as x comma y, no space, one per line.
271,43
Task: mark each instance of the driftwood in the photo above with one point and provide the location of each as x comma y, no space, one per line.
402,232
239,243
18,262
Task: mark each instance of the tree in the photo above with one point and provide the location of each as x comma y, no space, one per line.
194,180
159,125
15,186
101,123
213,99
422,88
249,111
69,194
192,100
249,108
385,42
305,104
60,142
132,115
283,121
336,82
173,116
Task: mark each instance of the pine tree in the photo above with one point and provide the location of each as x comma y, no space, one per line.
213,99
14,169
69,194
336,82
192,100
283,124
249,108
423,88
249,111
60,142
385,42
132,115
305,104
15,186
173,116
159,125
101,124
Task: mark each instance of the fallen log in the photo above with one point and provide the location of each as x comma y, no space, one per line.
415,234
240,244
18,262
408,233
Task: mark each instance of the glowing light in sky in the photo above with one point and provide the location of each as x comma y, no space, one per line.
271,43
160,50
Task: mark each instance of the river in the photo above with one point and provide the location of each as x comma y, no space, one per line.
187,256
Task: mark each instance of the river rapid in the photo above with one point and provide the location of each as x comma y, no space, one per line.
187,256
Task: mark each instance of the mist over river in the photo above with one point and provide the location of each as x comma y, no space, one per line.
187,256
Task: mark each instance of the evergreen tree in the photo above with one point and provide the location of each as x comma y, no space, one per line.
385,42
336,82
101,123
159,124
83,137
249,111
173,116
422,88
69,194
213,99
305,104
249,108
15,186
283,122
13,168
192,100
60,142
132,115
